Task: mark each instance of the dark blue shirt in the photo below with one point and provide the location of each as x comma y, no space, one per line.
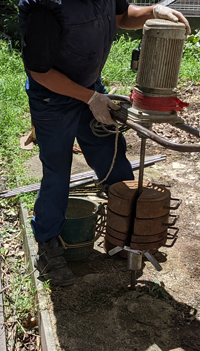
43,32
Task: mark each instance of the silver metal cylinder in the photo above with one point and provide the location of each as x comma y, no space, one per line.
161,54
134,261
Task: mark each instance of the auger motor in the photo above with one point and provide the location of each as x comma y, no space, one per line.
153,100
159,66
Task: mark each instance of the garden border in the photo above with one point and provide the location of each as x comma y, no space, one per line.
44,322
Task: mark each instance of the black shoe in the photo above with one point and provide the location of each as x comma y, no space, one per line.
52,265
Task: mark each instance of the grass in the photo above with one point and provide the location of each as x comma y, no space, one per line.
13,110
117,69
19,293
118,66
190,69
14,118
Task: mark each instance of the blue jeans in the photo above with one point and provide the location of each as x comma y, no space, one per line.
58,120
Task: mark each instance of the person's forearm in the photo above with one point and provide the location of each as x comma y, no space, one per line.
135,17
61,84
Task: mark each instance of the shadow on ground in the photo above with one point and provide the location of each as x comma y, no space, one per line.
100,312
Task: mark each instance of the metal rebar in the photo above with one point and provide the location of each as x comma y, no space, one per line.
141,169
133,279
149,161
126,118
188,129
167,144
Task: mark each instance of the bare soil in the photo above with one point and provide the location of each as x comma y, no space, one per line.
101,312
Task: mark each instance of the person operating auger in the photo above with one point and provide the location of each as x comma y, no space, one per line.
65,45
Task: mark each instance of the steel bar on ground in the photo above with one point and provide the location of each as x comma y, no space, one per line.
149,161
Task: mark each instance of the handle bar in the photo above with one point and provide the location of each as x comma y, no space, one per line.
126,119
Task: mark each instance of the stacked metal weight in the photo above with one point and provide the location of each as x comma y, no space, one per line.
122,199
139,222
151,219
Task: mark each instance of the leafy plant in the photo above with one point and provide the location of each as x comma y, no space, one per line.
9,22
192,46
158,290
117,67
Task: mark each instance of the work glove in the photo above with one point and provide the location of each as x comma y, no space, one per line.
99,105
160,11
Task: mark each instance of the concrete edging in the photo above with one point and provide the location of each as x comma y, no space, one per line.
2,328
44,322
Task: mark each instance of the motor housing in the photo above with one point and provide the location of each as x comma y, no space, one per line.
159,64
161,54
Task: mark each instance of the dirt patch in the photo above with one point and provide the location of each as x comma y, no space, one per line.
100,312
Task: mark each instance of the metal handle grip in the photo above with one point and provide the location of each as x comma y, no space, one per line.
176,217
179,201
172,237
123,116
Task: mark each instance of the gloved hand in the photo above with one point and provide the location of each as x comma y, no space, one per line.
160,11
99,104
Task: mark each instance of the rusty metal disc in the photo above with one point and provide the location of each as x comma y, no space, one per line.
122,197
150,226
153,202
143,239
116,233
108,246
148,246
115,241
118,222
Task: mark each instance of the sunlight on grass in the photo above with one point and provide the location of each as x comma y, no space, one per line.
13,113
